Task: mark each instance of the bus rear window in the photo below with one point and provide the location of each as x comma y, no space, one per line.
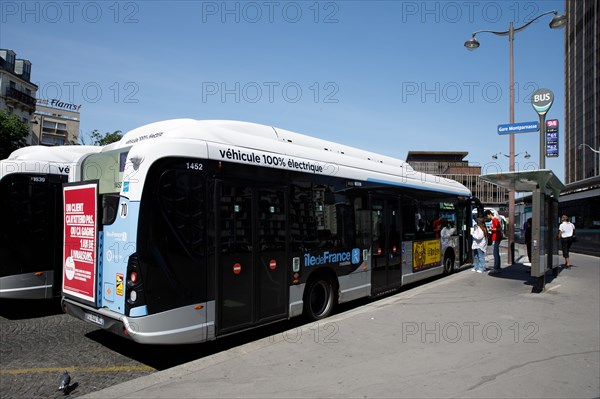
107,168
30,218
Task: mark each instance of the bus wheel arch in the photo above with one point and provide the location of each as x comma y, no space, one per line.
449,261
320,295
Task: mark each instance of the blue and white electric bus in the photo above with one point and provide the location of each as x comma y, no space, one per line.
31,181
189,230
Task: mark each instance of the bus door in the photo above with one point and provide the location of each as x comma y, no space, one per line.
386,250
464,219
251,262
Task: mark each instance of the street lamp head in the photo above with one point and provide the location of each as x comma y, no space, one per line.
581,146
527,155
471,44
558,21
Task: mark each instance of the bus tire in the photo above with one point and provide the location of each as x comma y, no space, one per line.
448,264
319,299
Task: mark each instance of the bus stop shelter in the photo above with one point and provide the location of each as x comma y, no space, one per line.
545,188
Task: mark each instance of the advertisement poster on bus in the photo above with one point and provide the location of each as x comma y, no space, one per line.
79,256
426,254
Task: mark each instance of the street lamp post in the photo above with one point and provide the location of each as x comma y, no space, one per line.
558,21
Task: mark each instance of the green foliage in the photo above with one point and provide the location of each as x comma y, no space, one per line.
13,134
100,139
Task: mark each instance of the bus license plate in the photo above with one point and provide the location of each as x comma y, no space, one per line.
94,318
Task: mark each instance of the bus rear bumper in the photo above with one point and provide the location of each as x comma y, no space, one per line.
175,326
105,319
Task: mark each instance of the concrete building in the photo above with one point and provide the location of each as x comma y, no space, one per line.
582,124
452,165
17,92
582,91
55,123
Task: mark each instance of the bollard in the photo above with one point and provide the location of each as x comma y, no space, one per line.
512,252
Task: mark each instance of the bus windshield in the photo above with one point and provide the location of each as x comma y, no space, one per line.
107,168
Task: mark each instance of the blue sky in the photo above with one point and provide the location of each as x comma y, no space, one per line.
385,76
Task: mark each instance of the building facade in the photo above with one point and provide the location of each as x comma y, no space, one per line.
17,92
55,123
452,165
582,124
582,90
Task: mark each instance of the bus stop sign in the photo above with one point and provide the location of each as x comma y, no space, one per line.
542,100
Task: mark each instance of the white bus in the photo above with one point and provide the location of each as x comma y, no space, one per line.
189,230
31,181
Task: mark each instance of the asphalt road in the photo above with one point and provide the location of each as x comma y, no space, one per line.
38,342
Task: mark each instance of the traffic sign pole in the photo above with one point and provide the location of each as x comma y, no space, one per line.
543,141
542,100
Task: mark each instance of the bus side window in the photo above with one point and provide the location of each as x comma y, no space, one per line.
303,229
335,215
410,220
345,214
361,226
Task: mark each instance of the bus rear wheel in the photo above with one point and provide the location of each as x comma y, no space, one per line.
319,300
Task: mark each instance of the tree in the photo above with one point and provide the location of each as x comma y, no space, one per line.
13,134
105,139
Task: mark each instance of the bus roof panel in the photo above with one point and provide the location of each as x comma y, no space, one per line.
68,153
247,134
264,138
43,159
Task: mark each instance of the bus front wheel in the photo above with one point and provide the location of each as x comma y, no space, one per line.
319,300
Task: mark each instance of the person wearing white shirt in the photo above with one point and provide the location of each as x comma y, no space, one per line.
479,246
565,234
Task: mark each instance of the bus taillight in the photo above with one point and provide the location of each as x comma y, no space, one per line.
135,285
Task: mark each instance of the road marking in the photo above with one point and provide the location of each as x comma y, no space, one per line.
553,287
110,369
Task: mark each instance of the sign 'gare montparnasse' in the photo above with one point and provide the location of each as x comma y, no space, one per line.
59,104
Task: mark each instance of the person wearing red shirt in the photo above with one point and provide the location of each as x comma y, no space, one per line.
496,231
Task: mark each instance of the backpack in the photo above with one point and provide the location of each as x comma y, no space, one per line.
503,227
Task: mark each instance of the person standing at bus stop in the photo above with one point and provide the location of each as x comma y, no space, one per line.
527,227
566,230
479,246
496,231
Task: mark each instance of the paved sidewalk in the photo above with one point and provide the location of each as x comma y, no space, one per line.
468,335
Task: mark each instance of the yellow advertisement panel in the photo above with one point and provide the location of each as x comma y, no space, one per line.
426,254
